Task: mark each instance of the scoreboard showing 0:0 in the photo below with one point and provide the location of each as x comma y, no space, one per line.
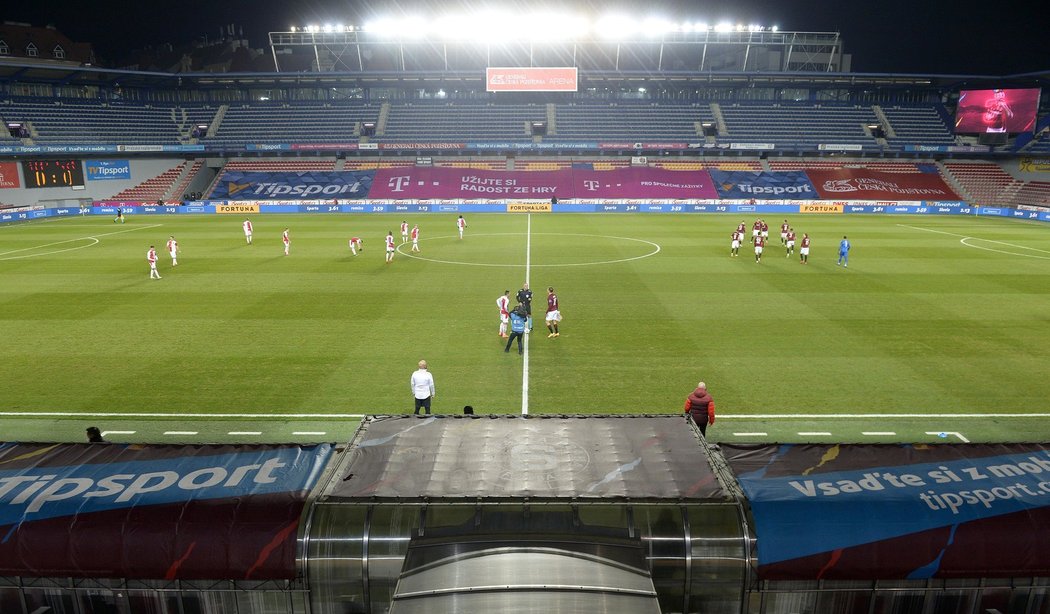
53,173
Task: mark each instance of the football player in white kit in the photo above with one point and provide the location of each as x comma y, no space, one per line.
503,303
173,249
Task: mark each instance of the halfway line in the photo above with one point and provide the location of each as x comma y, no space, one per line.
525,357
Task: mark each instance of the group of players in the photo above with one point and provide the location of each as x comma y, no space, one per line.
760,235
151,256
518,321
406,235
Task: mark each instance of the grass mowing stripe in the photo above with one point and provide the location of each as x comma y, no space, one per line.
528,336
236,331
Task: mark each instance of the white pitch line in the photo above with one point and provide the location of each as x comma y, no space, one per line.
878,433
750,434
956,433
815,434
4,255
66,414
525,357
180,432
309,433
966,238
244,433
104,433
940,232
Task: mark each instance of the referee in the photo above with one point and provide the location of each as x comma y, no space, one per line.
524,297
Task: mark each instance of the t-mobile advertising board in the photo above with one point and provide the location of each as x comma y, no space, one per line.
453,183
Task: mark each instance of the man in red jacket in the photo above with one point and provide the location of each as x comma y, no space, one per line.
700,407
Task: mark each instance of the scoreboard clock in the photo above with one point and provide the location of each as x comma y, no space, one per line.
53,173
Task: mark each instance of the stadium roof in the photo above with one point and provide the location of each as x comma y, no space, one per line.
66,75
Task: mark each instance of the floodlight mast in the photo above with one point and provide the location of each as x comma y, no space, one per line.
542,41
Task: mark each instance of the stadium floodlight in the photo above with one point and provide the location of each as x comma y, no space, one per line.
327,27
617,27
775,28
383,28
700,26
550,26
724,27
291,28
340,27
654,27
739,27
414,27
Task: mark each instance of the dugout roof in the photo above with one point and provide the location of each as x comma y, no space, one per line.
606,458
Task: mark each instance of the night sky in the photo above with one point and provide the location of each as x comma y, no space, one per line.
931,37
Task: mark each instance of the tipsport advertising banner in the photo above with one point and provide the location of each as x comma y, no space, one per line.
285,186
793,185
161,512
104,170
864,184
851,512
454,183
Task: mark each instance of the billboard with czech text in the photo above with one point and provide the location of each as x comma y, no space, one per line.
455,183
562,79
865,511
9,175
865,184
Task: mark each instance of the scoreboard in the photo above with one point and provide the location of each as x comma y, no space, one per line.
53,173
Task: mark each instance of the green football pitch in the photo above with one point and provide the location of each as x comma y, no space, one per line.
939,329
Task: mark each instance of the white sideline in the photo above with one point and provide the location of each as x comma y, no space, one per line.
174,416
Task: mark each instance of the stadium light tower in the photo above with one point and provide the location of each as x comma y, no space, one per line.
467,41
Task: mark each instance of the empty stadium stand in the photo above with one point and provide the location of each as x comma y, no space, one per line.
631,121
333,122
75,121
157,188
460,121
984,182
784,124
803,164
1033,193
917,125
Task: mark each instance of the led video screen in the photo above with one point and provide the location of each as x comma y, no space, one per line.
996,111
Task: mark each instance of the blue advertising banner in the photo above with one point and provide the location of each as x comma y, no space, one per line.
747,184
170,512
833,510
305,185
101,170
